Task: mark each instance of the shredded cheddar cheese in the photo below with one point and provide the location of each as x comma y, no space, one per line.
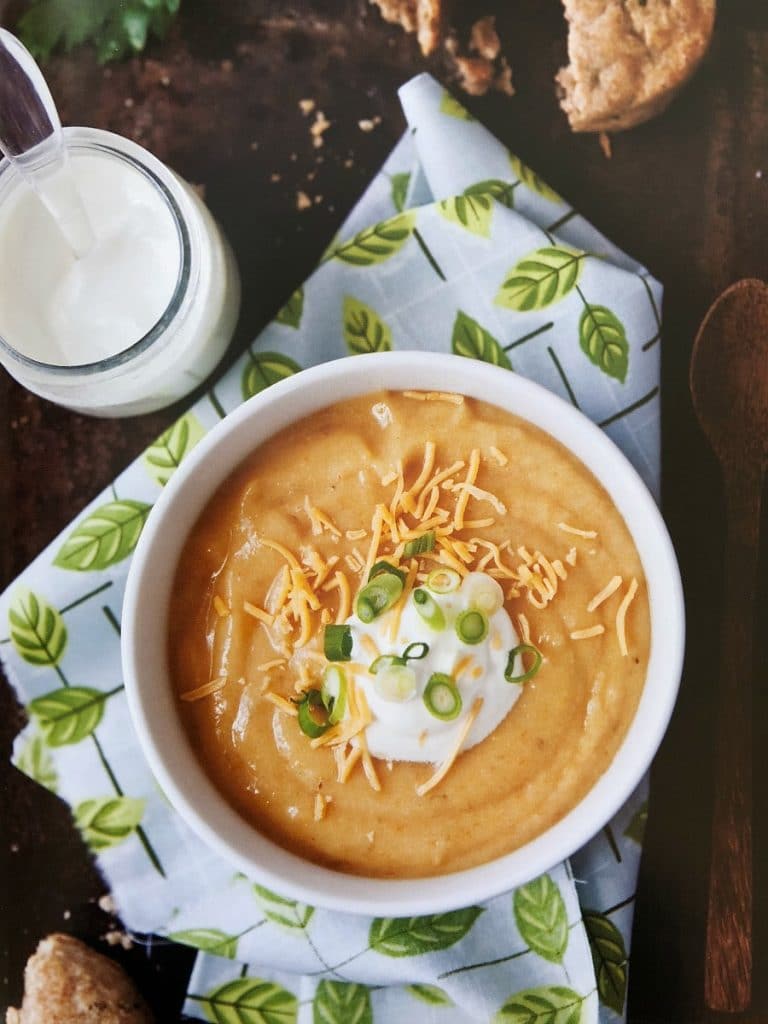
621,615
446,766
205,690
525,629
356,534
435,396
589,534
258,613
267,666
281,703
463,488
586,634
571,557
610,588
220,606
500,457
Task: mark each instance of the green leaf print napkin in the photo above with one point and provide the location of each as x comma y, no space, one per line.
455,246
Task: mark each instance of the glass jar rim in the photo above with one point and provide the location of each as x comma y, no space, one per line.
115,146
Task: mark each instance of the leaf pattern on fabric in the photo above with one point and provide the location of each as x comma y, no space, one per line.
364,330
430,994
163,457
451,106
263,369
340,1002
412,936
609,957
541,918
107,821
541,278
604,341
290,314
636,828
37,630
105,537
502,191
250,1001
472,340
209,940
377,243
69,714
530,178
548,1004
283,911
36,762
472,212
399,190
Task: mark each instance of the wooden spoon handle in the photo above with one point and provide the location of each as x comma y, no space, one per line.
728,968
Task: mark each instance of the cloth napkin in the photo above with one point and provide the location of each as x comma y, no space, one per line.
455,246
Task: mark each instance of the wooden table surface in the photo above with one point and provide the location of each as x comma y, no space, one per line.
686,194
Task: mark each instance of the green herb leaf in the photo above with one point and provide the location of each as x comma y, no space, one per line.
375,244
451,106
400,183
412,936
280,910
472,340
291,312
263,369
502,191
36,762
163,457
541,278
107,821
604,341
115,27
37,630
105,537
68,715
340,1002
609,957
472,212
210,940
541,918
430,994
549,1004
636,828
364,330
532,180
250,1001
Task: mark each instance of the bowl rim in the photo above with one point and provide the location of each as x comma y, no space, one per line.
154,713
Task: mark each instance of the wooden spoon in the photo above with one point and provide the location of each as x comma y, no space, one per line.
729,385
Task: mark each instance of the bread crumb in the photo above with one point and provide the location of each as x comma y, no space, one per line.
349,163
107,903
475,75
227,66
274,178
367,124
254,146
303,202
320,125
306,107
605,144
118,938
484,39
318,200
503,80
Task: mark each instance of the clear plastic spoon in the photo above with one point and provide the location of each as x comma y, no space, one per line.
31,138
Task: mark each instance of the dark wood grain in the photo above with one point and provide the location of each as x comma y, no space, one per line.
685,194
729,387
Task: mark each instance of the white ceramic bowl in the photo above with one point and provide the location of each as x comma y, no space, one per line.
151,697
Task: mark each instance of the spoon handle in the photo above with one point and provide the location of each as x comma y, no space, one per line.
728,967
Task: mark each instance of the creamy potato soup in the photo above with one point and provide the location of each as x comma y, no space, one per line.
408,634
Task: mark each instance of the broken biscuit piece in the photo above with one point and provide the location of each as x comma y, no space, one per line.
66,982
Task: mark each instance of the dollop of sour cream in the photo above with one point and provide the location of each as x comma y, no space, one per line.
405,729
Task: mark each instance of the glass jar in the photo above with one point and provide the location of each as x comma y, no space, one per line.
183,345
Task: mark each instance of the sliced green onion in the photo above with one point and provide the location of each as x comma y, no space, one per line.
443,581
384,661
483,592
442,697
337,643
522,650
334,693
387,567
415,652
471,626
429,610
378,596
420,545
313,715
396,683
